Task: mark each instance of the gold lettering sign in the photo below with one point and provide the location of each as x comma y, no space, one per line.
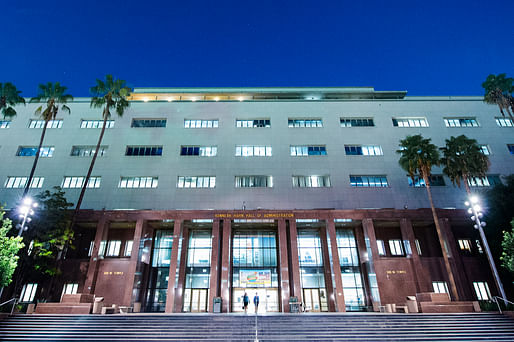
396,272
113,273
254,215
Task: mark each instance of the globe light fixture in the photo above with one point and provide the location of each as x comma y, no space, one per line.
26,211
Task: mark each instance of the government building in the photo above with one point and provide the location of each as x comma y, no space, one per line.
291,193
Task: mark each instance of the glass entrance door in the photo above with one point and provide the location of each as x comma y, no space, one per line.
195,300
313,299
268,299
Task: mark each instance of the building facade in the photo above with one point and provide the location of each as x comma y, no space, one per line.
284,192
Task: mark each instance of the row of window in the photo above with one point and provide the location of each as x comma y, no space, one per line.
257,181
263,123
212,151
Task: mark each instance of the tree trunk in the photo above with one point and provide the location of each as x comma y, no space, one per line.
442,241
35,159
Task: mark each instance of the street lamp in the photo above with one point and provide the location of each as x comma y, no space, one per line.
476,214
26,211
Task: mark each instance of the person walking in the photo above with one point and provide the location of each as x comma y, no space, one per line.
256,302
246,301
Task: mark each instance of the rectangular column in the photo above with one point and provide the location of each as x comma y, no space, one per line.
283,265
92,272
127,297
170,294
214,275
225,265
373,264
179,292
422,281
363,262
336,266
329,284
294,262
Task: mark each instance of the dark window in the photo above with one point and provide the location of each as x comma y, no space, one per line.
364,122
190,151
353,150
144,151
137,123
511,148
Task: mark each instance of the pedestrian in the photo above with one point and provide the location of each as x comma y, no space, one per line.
246,301
256,302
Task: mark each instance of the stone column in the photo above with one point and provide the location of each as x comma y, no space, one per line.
294,262
363,260
373,260
179,292
420,277
336,267
102,229
283,265
170,295
214,280
129,279
225,265
329,285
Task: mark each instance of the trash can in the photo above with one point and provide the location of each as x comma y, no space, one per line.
216,304
294,305
412,304
98,305
137,307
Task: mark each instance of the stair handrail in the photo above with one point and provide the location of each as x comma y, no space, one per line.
13,300
505,301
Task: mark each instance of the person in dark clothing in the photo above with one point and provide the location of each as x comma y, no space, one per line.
246,301
256,302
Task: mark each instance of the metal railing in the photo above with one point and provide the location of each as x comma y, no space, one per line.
14,302
505,301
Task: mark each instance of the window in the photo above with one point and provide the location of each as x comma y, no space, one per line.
479,246
440,286
70,288
363,150
312,150
196,182
202,151
510,147
78,182
21,182
144,123
87,151
381,247
465,245
128,248
368,181
410,122
41,124
254,181
485,149
5,123
395,246
28,292
96,124
253,123
311,181
482,290
312,123
435,180
143,151
138,182
461,122
504,122
91,246
357,122
418,246
200,123
253,151
113,248
29,151
101,248
490,180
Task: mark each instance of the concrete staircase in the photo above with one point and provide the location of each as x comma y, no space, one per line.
279,327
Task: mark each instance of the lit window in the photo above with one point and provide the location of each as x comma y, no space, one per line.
128,248
363,150
70,288
504,122
188,123
381,247
254,181
87,151
440,286
308,150
410,122
253,123
490,180
357,122
253,151
396,247
91,246
368,181
418,246
485,149
21,182
202,151
482,290
465,245
41,124
96,124
5,124
199,182
309,123
28,292
138,182
510,147
113,248
419,182
461,122
101,249
479,246
29,151
147,123
70,182
143,151
311,181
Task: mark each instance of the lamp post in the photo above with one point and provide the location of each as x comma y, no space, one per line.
476,212
26,211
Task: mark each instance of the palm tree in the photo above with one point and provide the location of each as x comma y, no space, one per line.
463,159
418,155
110,94
55,97
498,91
9,97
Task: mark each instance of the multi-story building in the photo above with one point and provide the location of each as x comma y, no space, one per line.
285,192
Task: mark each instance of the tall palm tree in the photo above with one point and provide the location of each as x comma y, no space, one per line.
9,98
498,91
417,156
463,159
110,94
54,96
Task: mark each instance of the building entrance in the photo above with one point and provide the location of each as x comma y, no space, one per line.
314,299
268,299
195,300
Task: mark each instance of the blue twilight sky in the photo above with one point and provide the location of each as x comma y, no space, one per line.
425,47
